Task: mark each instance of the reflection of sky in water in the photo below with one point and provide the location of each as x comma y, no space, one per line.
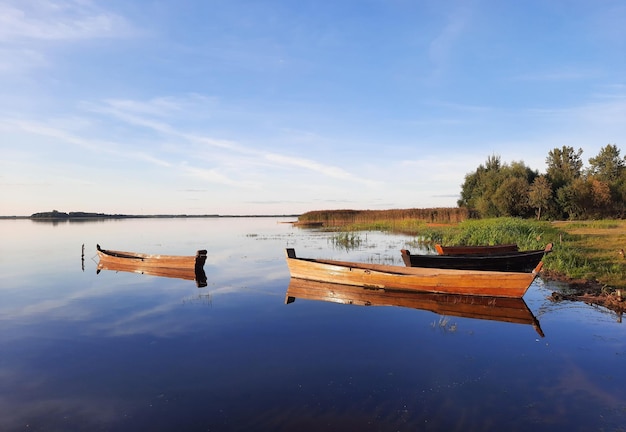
122,351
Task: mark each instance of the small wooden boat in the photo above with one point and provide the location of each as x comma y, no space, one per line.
421,279
524,262
172,266
476,250
504,309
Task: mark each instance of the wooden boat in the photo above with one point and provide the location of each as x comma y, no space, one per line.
476,250
524,262
172,266
504,309
421,279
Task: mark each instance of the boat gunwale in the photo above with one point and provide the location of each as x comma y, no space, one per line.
454,250
110,253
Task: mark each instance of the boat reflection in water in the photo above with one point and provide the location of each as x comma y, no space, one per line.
505,309
179,267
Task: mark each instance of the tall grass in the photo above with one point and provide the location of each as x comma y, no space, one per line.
528,234
346,240
340,218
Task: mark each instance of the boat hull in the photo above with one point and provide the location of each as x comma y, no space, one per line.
171,266
524,262
419,279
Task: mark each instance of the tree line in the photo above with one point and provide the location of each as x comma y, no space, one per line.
568,189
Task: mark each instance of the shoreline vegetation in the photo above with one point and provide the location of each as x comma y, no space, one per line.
588,256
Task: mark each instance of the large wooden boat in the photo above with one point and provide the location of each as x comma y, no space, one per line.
523,262
421,279
476,250
172,266
504,309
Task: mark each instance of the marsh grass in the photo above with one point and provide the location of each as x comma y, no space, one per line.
588,250
343,218
346,240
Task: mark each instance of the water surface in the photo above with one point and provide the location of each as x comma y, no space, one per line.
121,351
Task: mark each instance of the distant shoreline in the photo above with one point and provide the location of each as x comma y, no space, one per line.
73,216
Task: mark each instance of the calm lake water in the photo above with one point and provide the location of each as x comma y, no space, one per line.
116,351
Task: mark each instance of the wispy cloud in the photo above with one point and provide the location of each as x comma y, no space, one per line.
213,175
443,44
326,170
161,106
29,28
150,114
607,110
93,145
59,20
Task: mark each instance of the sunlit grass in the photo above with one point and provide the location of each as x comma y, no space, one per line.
582,250
593,250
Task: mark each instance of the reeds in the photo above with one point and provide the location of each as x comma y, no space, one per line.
346,240
339,218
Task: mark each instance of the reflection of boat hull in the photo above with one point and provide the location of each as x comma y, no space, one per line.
476,250
469,282
524,262
505,309
171,266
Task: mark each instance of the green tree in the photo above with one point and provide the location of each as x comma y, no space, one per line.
600,197
540,194
608,165
576,199
479,185
564,165
511,197
497,189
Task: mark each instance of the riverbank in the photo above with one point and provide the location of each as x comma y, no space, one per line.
601,243
588,256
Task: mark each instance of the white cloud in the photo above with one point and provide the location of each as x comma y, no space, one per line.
30,29
324,169
58,20
214,175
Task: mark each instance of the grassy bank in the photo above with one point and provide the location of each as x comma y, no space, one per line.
588,252
594,250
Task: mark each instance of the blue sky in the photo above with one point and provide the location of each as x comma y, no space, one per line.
285,106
